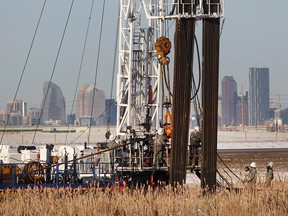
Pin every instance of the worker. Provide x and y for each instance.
(113, 142)
(269, 174)
(158, 146)
(252, 176)
(195, 144)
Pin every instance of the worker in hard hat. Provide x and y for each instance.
(195, 147)
(269, 174)
(252, 176)
(158, 146)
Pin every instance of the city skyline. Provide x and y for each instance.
(233, 107)
(245, 42)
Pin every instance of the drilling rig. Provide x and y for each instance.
(153, 115)
(150, 146)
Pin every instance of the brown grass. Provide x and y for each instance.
(183, 201)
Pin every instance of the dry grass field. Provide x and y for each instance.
(182, 201)
(188, 200)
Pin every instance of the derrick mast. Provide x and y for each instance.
(141, 74)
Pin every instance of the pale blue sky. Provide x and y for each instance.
(254, 35)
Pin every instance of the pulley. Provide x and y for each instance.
(163, 47)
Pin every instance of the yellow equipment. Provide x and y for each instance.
(163, 46)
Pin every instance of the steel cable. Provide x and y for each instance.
(23, 70)
(53, 70)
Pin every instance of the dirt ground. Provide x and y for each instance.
(237, 162)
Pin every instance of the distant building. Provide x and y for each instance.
(110, 112)
(258, 99)
(34, 115)
(220, 111)
(71, 118)
(242, 110)
(17, 112)
(229, 100)
(54, 107)
(3, 117)
(90, 111)
(14, 106)
(281, 115)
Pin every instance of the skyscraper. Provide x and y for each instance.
(84, 106)
(229, 100)
(242, 109)
(258, 100)
(54, 107)
(18, 112)
(111, 110)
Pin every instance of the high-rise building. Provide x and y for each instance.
(17, 106)
(242, 109)
(258, 100)
(111, 110)
(229, 100)
(34, 115)
(87, 111)
(54, 107)
(17, 110)
(71, 119)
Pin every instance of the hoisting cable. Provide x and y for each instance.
(81, 63)
(112, 79)
(195, 96)
(96, 69)
(226, 181)
(53, 70)
(199, 66)
(23, 70)
(228, 167)
(91, 123)
(95, 120)
(222, 26)
(199, 72)
(167, 82)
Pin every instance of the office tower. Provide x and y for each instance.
(54, 106)
(34, 115)
(18, 112)
(17, 106)
(71, 119)
(84, 106)
(242, 109)
(258, 106)
(229, 100)
(111, 111)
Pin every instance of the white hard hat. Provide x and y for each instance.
(112, 137)
(270, 164)
(197, 128)
(160, 131)
(253, 164)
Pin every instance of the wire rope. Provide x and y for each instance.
(96, 69)
(81, 63)
(113, 75)
(228, 167)
(53, 70)
(23, 71)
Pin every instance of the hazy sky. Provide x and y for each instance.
(254, 35)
